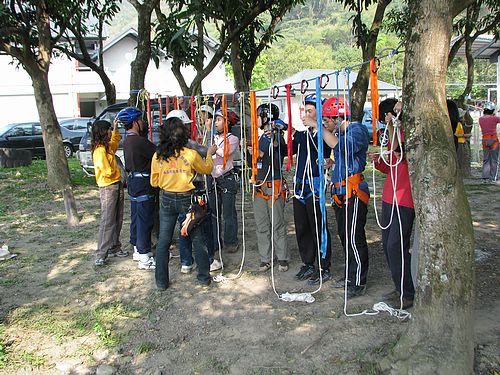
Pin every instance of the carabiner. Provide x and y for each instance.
(275, 91)
(304, 85)
(321, 85)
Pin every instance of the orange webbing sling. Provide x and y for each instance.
(226, 141)
(255, 133)
(353, 189)
(374, 97)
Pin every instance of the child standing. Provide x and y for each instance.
(107, 174)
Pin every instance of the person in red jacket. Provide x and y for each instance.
(488, 123)
(398, 212)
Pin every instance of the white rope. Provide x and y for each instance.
(394, 206)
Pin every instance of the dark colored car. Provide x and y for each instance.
(75, 124)
(382, 138)
(28, 136)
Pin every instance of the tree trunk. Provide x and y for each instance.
(240, 82)
(360, 86)
(109, 88)
(58, 175)
(139, 66)
(440, 337)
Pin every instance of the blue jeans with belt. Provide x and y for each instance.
(171, 206)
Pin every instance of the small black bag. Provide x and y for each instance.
(197, 213)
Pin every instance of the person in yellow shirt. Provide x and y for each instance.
(173, 168)
(107, 174)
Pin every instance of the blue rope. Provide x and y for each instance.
(322, 197)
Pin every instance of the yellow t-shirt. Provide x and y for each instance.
(106, 170)
(176, 174)
(459, 133)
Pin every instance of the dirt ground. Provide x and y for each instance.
(60, 315)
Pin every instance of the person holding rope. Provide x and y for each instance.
(223, 184)
(138, 151)
(488, 123)
(349, 192)
(104, 144)
(172, 169)
(398, 212)
(185, 244)
(306, 209)
(270, 189)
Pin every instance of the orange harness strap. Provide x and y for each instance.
(226, 141)
(280, 189)
(487, 144)
(353, 189)
(254, 133)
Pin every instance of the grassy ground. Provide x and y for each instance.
(60, 315)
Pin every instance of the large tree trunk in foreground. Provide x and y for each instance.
(440, 337)
(58, 175)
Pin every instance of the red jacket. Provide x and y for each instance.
(402, 181)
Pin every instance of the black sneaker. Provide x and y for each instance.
(264, 266)
(356, 291)
(305, 272)
(325, 275)
(340, 283)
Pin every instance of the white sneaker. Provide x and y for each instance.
(216, 265)
(150, 264)
(188, 269)
(137, 256)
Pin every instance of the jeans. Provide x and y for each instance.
(142, 214)
(171, 206)
(222, 200)
(185, 243)
(112, 197)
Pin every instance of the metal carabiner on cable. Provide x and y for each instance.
(321, 84)
(304, 85)
(275, 91)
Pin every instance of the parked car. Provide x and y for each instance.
(77, 123)
(28, 136)
(382, 138)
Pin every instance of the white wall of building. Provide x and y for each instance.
(70, 85)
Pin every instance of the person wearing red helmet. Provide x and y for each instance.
(223, 185)
(349, 191)
(334, 110)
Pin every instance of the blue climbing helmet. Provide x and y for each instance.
(311, 99)
(128, 115)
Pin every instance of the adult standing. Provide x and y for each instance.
(104, 144)
(306, 210)
(223, 185)
(172, 170)
(350, 194)
(398, 212)
(138, 152)
(488, 123)
(269, 190)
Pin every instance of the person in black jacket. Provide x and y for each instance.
(139, 151)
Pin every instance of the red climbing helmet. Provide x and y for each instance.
(335, 107)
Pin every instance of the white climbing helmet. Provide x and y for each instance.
(179, 113)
